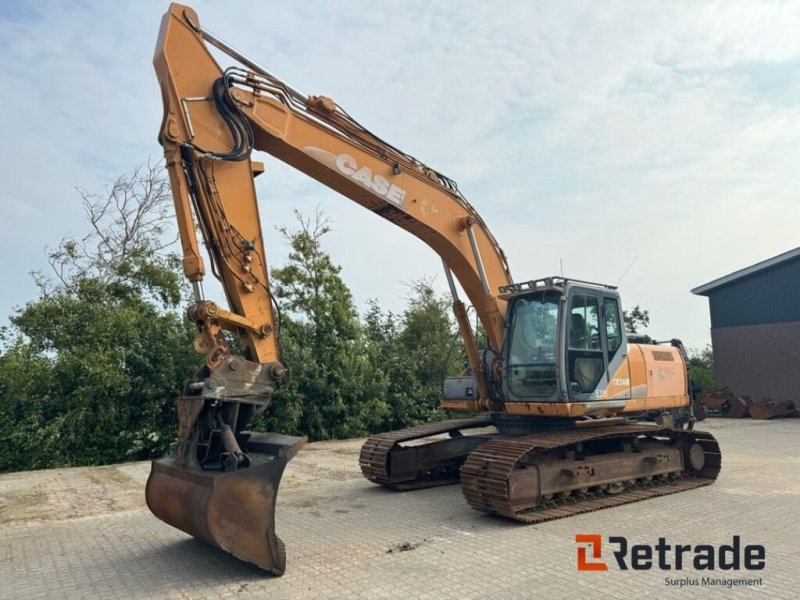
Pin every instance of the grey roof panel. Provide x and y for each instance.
(736, 275)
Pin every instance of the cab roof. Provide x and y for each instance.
(554, 283)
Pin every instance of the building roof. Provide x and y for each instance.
(704, 289)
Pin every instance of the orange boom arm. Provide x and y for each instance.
(317, 137)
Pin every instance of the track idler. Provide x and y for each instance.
(233, 510)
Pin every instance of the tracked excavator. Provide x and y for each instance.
(573, 416)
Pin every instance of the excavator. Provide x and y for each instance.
(564, 413)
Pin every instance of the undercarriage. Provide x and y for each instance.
(546, 472)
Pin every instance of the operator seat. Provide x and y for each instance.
(577, 331)
(585, 370)
(586, 373)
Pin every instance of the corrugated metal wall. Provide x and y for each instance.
(771, 296)
(760, 361)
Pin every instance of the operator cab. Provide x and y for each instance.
(564, 340)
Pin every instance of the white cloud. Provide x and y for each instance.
(588, 132)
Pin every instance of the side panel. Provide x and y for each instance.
(638, 371)
(666, 374)
(604, 407)
(619, 387)
(657, 380)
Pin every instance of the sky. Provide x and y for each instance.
(651, 144)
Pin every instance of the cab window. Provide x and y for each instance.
(584, 321)
(585, 354)
(532, 346)
(613, 325)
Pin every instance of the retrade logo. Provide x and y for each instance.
(665, 556)
(590, 552)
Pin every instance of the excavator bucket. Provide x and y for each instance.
(232, 510)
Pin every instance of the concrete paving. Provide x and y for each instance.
(85, 533)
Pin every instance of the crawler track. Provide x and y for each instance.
(374, 458)
(486, 472)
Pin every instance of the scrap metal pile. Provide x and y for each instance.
(724, 403)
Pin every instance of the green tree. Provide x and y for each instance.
(416, 351)
(635, 319)
(93, 374)
(334, 391)
(701, 368)
(124, 248)
(386, 353)
(91, 368)
(429, 338)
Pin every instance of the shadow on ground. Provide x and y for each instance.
(171, 564)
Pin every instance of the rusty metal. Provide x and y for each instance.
(232, 510)
(724, 402)
(716, 399)
(737, 407)
(767, 409)
(498, 476)
(385, 461)
(763, 410)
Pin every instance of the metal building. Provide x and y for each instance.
(755, 328)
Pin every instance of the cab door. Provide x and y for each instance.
(618, 384)
(585, 344)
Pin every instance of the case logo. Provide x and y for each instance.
(363, 175)
(377, 183)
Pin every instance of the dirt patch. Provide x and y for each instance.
(20, 505)
(69, 493)
(405, 546)
(109, 475)
(300, 502)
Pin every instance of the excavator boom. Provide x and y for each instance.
(320, 139)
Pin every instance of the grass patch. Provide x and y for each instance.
(20, 505)
(105, 475)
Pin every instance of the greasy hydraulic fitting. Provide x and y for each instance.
(233, 457)
(200, 312)
(322, 104)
